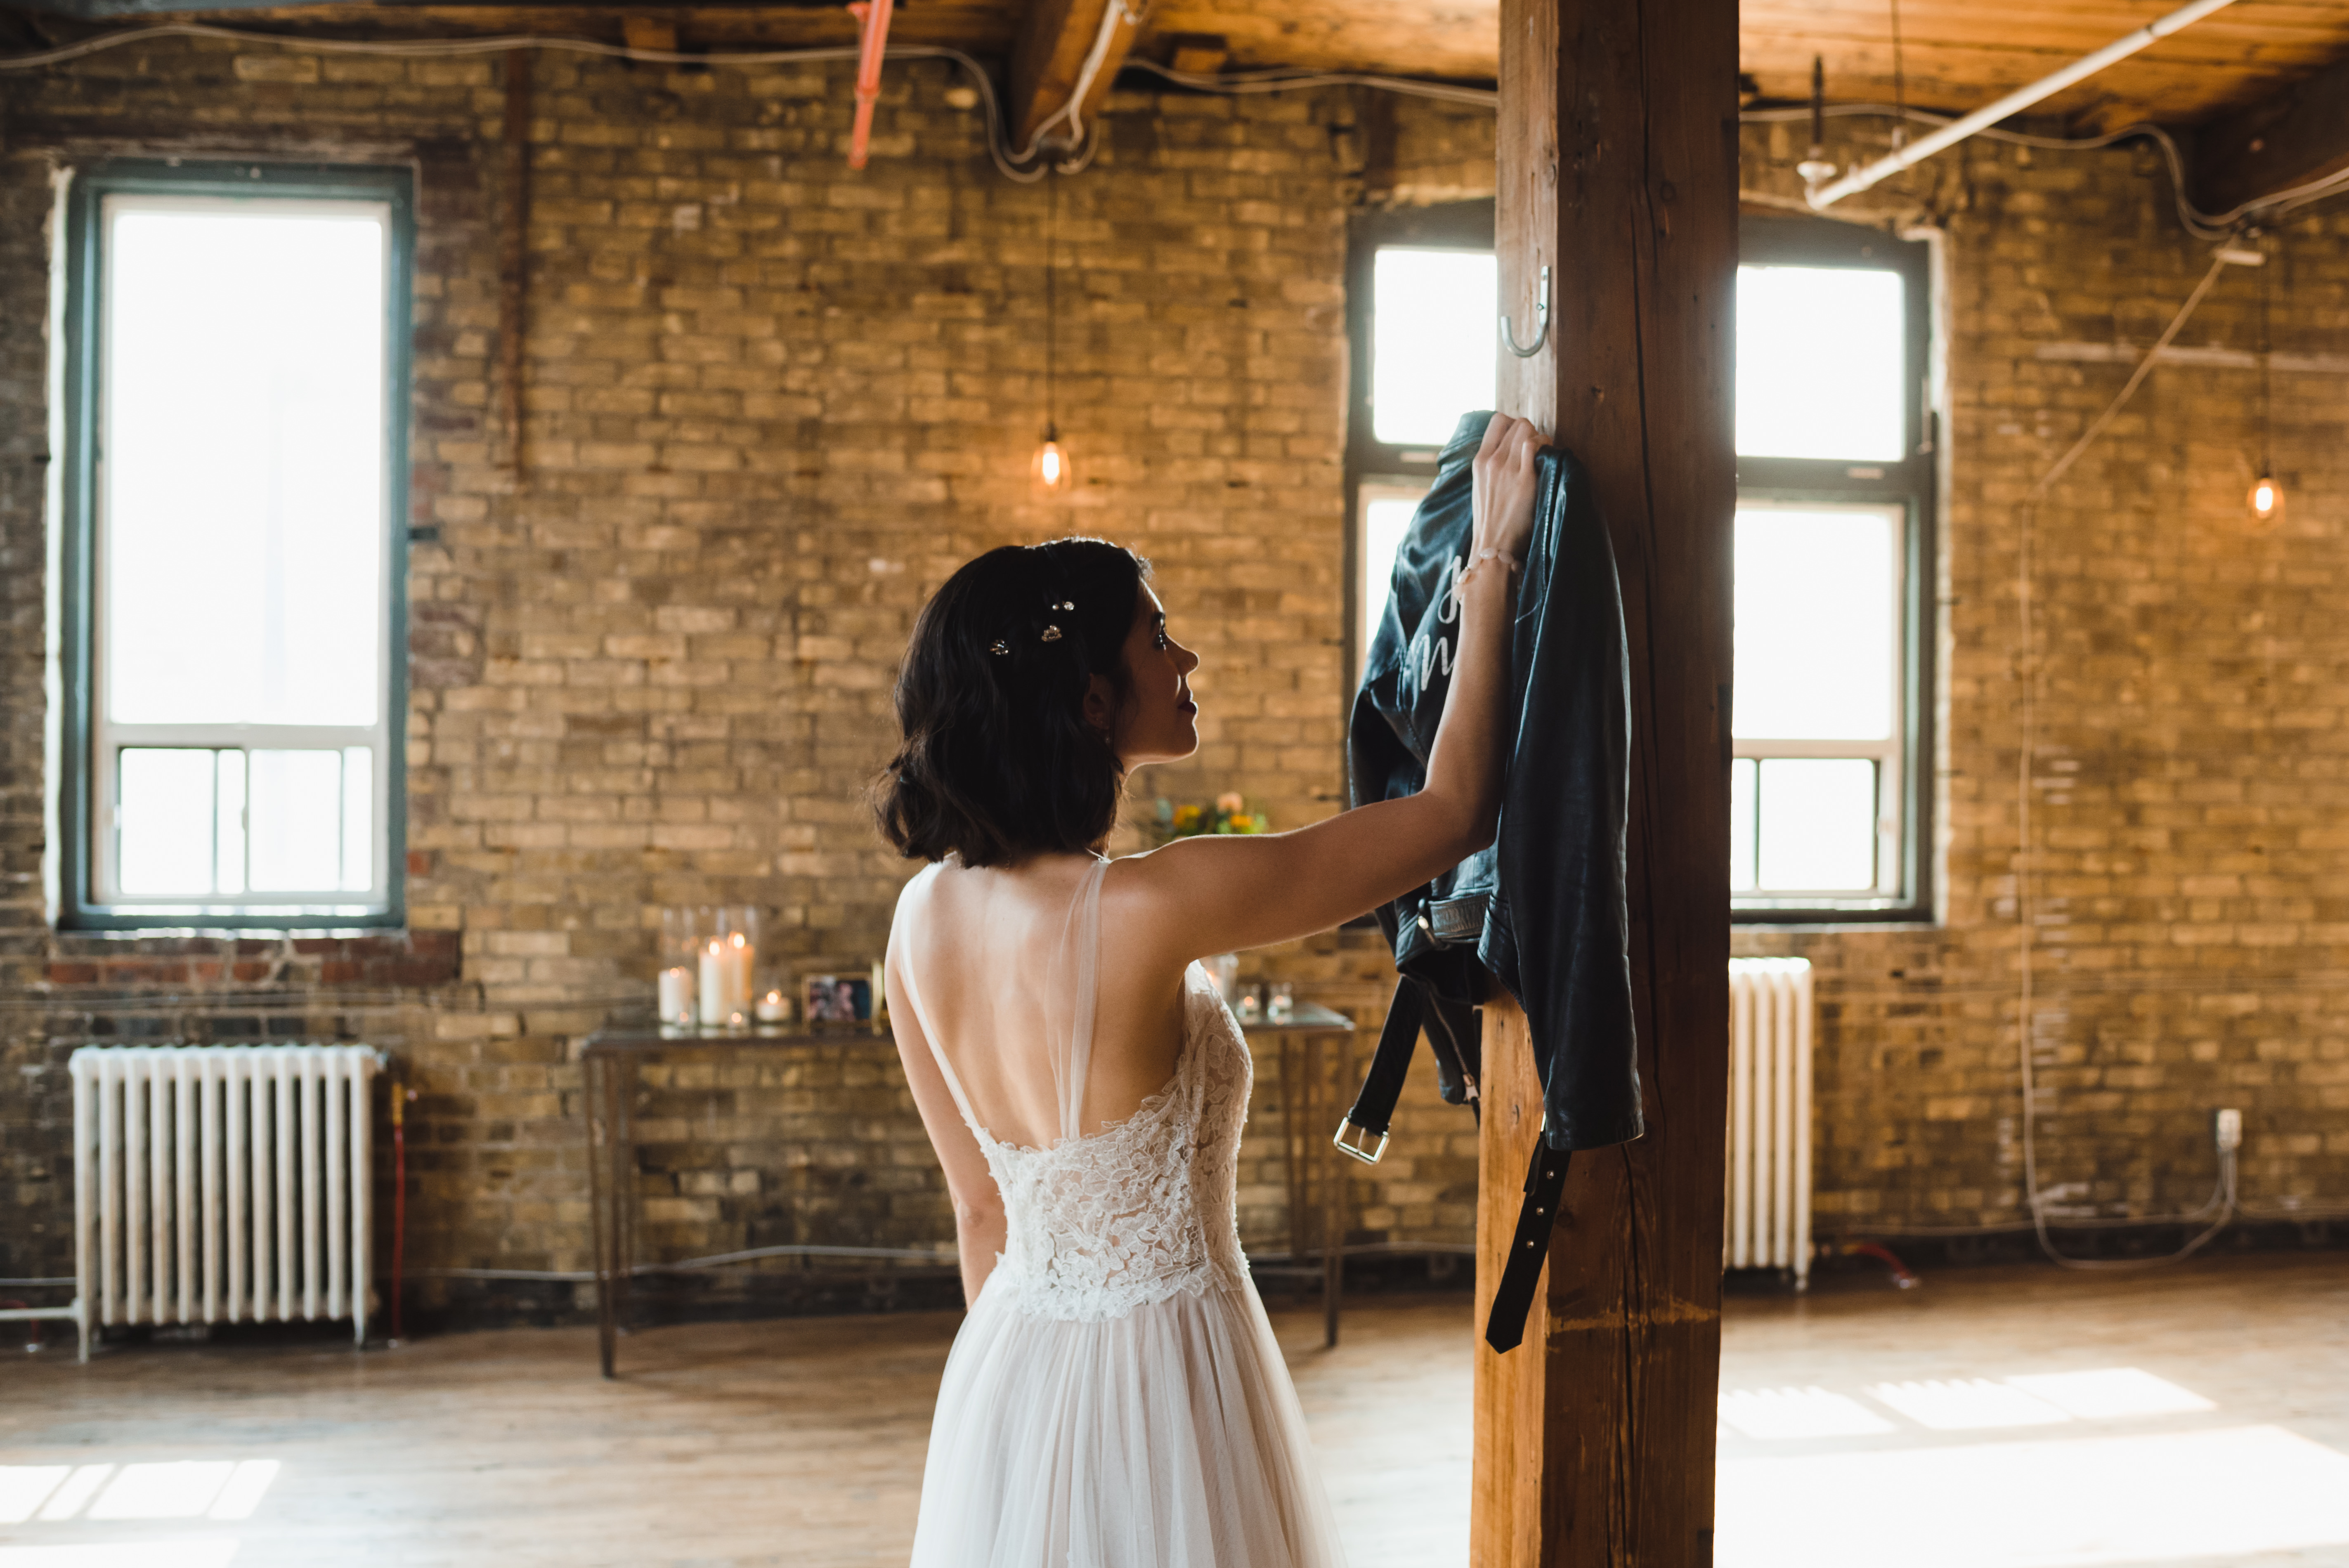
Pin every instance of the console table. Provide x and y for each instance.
(610, 1056)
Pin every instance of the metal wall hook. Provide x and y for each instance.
(1541, 315)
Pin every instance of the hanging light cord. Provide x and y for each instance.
(2267, 389)
(1899, 86)
(1051, 313)
(2222, 1206)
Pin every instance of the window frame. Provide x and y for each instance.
(82, 774)
(1372, 464)
(1910, 484)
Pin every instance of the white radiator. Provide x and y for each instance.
(223, 1183)
(1768, 1225)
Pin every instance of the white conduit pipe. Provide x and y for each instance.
(2015, 102)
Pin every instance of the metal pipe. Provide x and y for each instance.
(2015, 102)
(875, 15)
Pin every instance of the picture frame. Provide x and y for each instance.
(835, 999)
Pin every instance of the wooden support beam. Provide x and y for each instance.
(2294, 135)
(1048, 59)
(1618, 163)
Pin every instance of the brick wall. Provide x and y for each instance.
(770, 405)
(2189, 780)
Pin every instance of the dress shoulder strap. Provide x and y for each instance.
(1080, 955)
(911, 902)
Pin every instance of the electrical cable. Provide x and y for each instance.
(2222, 1200)
(2200, 224)
(1241, 83)
(1114, 13)
(1016, 167)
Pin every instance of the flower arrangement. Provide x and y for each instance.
(1228, 814)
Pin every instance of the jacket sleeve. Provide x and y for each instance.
(1558, 934)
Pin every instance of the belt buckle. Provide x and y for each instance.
(1355, 1142)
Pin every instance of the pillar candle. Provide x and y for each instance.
(740, 955)
(717, 983)
(675, 995)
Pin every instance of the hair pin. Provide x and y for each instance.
(1051, 635)
(1067, 604)
(998, 647)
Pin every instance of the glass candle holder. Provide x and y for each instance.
(770, 996)
(675, 983)
(726, 957)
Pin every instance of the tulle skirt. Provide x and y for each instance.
(1169, 1438)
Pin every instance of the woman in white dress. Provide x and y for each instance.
(1116, 1397)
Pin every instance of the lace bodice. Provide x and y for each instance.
(1137, 1211)
(1141, 1210)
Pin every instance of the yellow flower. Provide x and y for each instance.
(1186, 816)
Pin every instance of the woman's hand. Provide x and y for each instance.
(1503, 508)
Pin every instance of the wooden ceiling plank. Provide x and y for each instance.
(2286, 138)
(1048, 58)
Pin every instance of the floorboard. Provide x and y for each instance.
(1991, 1418)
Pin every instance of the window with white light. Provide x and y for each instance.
(238, 369)
(1423, 298)
(1829, 726)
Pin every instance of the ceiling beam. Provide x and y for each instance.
(1048, 59)
(2296, 134)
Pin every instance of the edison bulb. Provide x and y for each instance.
(1051, 466)
(2266, 499)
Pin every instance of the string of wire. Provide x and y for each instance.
(1035, 161)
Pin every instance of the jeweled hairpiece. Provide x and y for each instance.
(1051, 635)
(1000, 647)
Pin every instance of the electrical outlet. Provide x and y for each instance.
(2227, 1129)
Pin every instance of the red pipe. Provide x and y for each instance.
(875, 14)
(1901, 1276)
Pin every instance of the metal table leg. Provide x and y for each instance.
(1293, 1123)
(1333, 1192)
(596, 1077)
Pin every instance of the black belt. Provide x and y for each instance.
(1363, 1135)
(1545, 1180)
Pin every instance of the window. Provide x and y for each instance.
(1827, 788)
(1423, 301)
(236, 398)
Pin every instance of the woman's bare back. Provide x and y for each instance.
(992, 956)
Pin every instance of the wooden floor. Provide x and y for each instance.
(2011, 1417)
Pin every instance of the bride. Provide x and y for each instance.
(1116, 1397)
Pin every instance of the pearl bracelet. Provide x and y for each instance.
(1482, 556)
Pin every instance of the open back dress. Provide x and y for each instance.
(1116, 1397)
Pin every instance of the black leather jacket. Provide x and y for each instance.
(1542, 910)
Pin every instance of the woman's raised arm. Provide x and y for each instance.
(1209, 893)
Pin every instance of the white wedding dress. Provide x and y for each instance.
(1115, 1399)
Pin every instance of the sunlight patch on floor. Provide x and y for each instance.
(2043, 1503)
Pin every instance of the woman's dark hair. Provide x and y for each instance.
(997, 761)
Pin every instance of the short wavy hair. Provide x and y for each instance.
(997, 762)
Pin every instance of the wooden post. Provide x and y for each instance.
(1617, 170)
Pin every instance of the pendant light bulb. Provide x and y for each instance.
(1051, 466)
(2266, 499)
